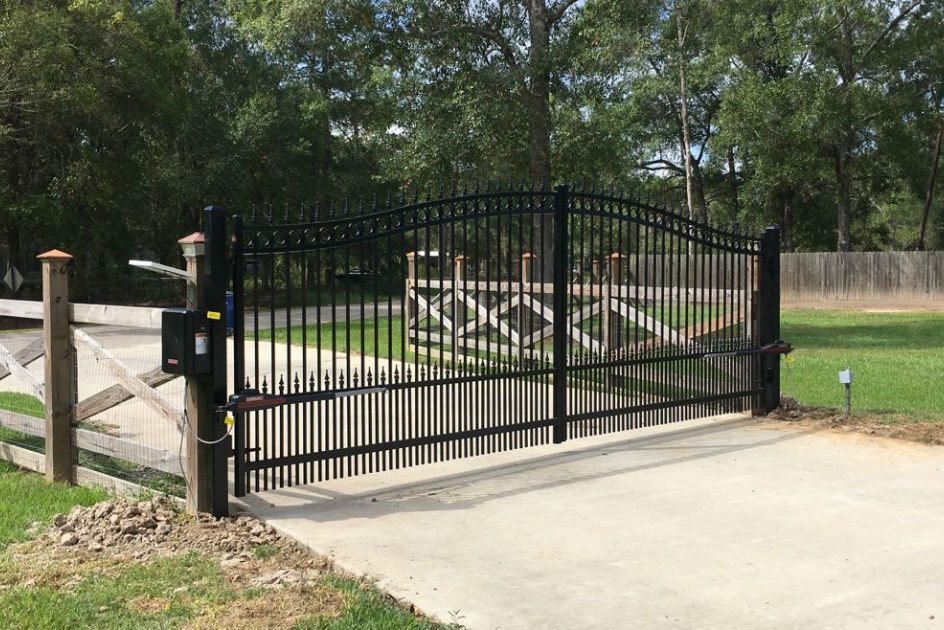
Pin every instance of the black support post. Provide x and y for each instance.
(769, 316)
(239, 374)
(561, 203)
(217, 276)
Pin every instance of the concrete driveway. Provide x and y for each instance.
(727, 523)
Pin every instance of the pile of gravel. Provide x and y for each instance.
(150, 528)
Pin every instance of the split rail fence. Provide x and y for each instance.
(103, 413)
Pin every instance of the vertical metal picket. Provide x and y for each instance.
(239, 362)
(769, 316)
(560, 254)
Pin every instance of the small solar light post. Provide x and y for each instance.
(845, 377)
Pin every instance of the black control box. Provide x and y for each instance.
(185, 342)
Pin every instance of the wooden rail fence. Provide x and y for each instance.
(60, 428)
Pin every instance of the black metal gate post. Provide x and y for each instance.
(217, 278)
(239, 359)
(559, 253)
(769, 316)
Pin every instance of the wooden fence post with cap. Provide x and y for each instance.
(59, 372)
(199, 399)
(407, 305)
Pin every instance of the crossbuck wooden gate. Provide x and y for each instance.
(427, 330)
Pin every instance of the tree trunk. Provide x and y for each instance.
(843, 199)
(929, 192)
(539, 119)
(698, 193)
(733, 185)
(694, 211)
(539, 94)
(786, 222)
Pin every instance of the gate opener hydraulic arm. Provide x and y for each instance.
(777, 347)
(253, 400)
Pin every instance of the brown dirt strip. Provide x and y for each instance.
(899, 427)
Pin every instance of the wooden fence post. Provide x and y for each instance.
(407, 306)
(527, 273)
(59, 383)
(458, 306)
(199, 400)
(611, 328)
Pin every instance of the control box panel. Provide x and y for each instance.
(185, 342)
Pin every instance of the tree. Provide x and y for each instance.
(849, 39)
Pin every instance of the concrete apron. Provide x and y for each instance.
(722, 523)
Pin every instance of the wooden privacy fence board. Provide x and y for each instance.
(862, 276)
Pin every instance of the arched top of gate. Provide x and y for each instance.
(634, 210)
(422, 214)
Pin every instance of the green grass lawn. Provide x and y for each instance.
(897, 359)
(26, 497)
(186, 590)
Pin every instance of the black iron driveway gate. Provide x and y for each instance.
(372, 339)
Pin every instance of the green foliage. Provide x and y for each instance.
(120, 120)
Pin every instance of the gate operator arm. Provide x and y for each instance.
(252, 400)
(777, 347)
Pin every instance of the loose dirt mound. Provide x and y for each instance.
(899, 427)
(111, 533)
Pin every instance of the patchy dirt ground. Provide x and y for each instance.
(885, 425)
(281, 582)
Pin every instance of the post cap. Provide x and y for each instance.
(196, 237)
(528, 255)
(410, 254)
(616, 255)
(55, 254)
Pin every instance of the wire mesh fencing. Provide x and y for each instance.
(21, 383)
(128, 413)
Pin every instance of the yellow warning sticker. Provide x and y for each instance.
(213, 314)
